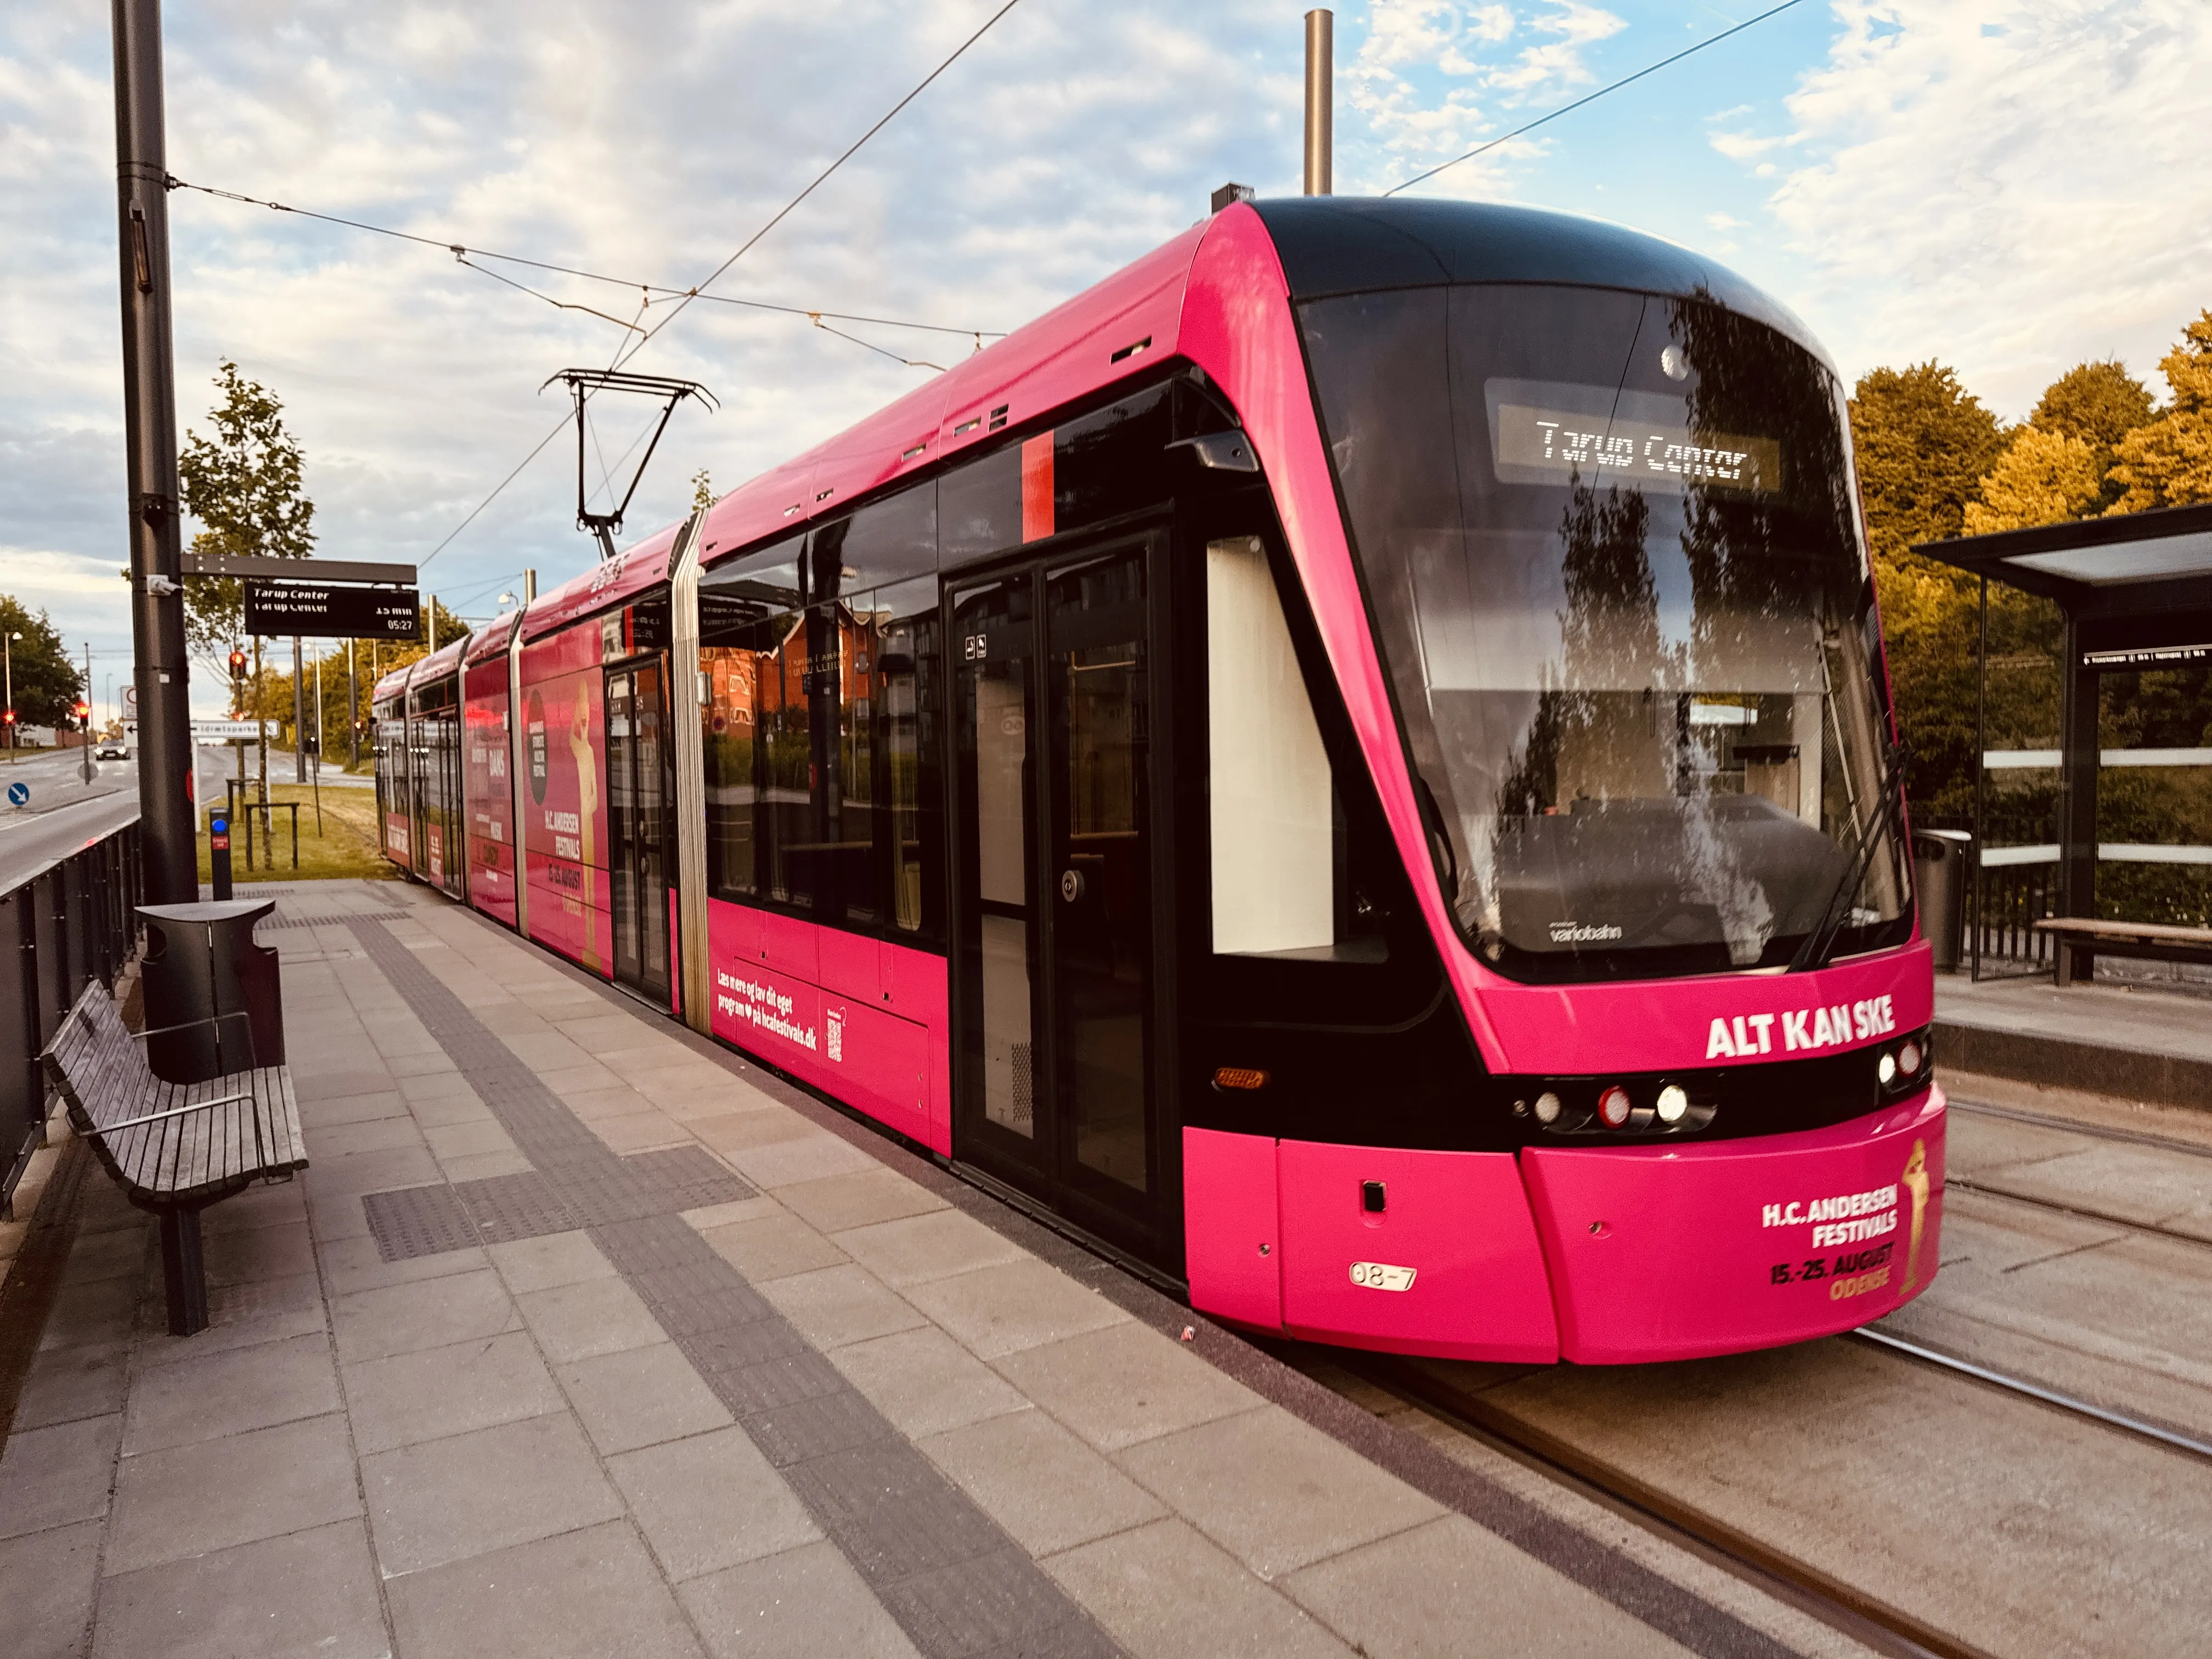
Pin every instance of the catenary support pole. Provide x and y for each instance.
(149, 411)
(299, 714)
(1321, 103)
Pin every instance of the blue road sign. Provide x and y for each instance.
(19, 794)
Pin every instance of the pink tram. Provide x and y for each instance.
(1351, 764)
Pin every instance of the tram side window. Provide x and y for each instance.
(1281, 884)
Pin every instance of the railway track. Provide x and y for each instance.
(2094, 1130)
(1843, 1606)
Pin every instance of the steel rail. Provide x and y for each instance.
(2172, 1439)
(2079, 1211)
(2094, 1131)
(1842, 1605)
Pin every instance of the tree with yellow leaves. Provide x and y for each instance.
(2168, 462)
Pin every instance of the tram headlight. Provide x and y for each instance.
(1548, 1108)
(1614, 1106)
(1673, 1104)
(1886, 1068)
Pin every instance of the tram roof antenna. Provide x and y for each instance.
(582, 383)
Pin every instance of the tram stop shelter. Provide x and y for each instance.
(2134, 592)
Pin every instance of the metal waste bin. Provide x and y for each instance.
(214, 1003)
(1941, 861)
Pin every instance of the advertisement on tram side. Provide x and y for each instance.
(564, 796)
(489, 796)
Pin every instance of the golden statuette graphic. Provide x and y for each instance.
(1915, 1180)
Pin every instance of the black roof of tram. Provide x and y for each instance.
(1350, 245)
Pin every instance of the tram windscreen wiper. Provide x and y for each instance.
(1820, 942)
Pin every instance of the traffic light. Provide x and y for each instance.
(7, 717)
(238, 665)
(80, 709)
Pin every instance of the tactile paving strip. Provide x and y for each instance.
(956, 1583)
(414, 1221)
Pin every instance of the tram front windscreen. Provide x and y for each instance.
(1612, 548)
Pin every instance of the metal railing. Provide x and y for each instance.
(68, 924)
(2006, 902)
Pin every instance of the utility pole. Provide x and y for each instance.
(149, 409)
(84, 760)
(353, 712)
(1321, 103)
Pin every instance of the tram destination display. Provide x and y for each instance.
(319, 611)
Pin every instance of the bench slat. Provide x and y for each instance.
(2157, 931)
(100, 1072)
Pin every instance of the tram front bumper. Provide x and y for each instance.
(1679, 1252)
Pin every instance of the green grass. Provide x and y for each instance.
(349, 845)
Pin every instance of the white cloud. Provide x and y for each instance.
(2009, 202)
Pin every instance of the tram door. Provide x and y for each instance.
(638, 829)
(1054, 941)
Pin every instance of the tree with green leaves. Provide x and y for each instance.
(244, 485)
(703, 491)
(46, 682)
(1923, 444)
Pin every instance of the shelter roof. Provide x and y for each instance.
(2129, 564)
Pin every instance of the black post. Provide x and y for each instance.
(184, 1270)
(2077, 799)
(219, 856)
(149, 407)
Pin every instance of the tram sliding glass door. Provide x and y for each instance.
(1053, 942)
(638, 794)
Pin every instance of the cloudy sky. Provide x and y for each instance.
(2010, 185)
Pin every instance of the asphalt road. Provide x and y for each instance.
(64, 812)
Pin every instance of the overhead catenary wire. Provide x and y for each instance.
(1591, 98)
(656, 292)
(632, 348)
(698, 289)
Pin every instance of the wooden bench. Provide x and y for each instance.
(174, 1148)
(2082, 939)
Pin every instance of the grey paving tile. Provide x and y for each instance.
(638, 1132)
(105, 1310)
(67, 1384)
(435, 1085)
(52, 1476)
(453, 1140)
(483, 1166)
(591, 1593)
(238, 1316)
(1421, 1592)
(312, 1592)
(837, 1305)
(784, 1162)
(935, 1245)
(805, 1602)
(1017, 1304)
(1123, 1384)
(264, 1206)
(729, 1133)
(594, 1105)
(721, 1215)
(1277, 1493)
(389, 1132)
(418, 1396)
(640, 1397)
(244, 1256)
(311, 1084)
(470, 1494)
(1164, 1592)
(710, 1502)
(46, 1583)
(230, 1390)
(924, 1382)
(329, 1113)
(356, 1264)
(1048, 1490)
(540, 1264)
(370, 1172)
(599, 1316)
(273, 1481)
(772, 1246)
(118, 1253)
(836, 1202)
(432, 1313)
